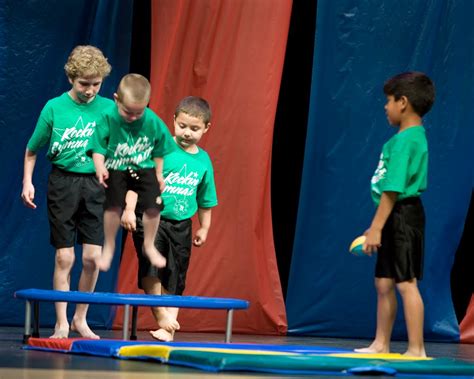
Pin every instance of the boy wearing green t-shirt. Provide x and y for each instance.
(190, 188)
(75, 197)
(127, 152)
(397, 229)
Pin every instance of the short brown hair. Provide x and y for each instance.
(134, 87)
(416, 86)
(87, 61)
(195, 107)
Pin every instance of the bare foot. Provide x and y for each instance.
(167, 322)
(162, 335)
(60, 331)
(374, 348)
(154, 256)
(418, 353)
(105, 261)
(83, 329)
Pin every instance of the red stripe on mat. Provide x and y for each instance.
(53, 343)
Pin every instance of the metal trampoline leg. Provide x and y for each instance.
(126, 320)
(133, 336)
(228, 329)
(27, 333)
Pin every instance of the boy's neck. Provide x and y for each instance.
(193, 149)
(74, 98)
(410, 122)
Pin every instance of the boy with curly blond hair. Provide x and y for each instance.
(74, 197)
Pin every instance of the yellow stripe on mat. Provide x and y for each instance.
(161, 351)
(391, 356)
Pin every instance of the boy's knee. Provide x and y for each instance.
(407, 286)
(65, 258)
(90, 263)
(151, 285)
(90, 257)
(384, 286)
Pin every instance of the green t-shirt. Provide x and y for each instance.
(403, 165)
(189, 182)
(68, 127)
(131, 145)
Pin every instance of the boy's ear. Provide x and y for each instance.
(116, 98)
(206, 128)
(70, 80)
(404, 101)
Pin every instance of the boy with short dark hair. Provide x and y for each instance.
(75, 197)
(190, 188)
(397, 229)
(127, 153)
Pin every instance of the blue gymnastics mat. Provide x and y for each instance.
(274, 359)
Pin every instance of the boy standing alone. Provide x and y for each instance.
(75, 197)
(397, 229)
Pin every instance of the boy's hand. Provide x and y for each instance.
(161, 182)
(28, 195)
(102, 175)
(129, 220)
(373, 239)
(200, 237)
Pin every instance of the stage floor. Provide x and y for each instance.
(25, 364)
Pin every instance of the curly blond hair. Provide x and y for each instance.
(87, 62)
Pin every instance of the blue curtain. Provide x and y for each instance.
(359, 44)
(36, 38)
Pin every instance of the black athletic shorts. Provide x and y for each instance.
(401, 255)
(143, 182)
(173, 241)
(75, 209)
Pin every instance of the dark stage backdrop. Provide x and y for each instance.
(358, 46)
(36, 38)
(462, 281)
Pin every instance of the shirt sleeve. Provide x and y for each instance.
(42, 133)
(396, 177)
(206, 192)
(164, 142)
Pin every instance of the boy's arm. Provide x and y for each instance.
(204, 215)
(374, 233)
(101, 171)
(28, 191)
(129, 219)
(159, 172)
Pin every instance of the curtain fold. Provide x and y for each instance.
(231, 53)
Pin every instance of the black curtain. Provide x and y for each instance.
(290, 132)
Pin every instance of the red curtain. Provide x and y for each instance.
(231, 53)
(466, 327)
